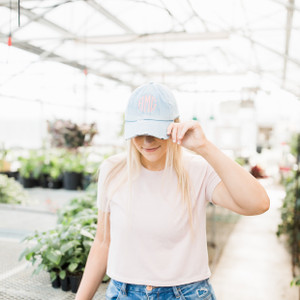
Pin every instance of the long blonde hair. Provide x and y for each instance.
(125, 169)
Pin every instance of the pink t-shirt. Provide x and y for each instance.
(157, 247)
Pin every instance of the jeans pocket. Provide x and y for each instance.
(113, 291)
(197, 290)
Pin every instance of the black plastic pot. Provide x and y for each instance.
(11, 174)
(44, 180)
(56, 283)
(55, 183)
(65, 284)
(72, 180)
(86, 180)
(75, 281)
(29, 182)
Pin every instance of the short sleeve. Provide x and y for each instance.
(211, 179)
(101, 191)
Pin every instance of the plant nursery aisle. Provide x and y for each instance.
(255, 264)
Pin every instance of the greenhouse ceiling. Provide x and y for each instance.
(184, 43)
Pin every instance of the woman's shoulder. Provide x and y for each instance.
(193, 161)
(112, 161)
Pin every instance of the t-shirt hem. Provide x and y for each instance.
(159, 284)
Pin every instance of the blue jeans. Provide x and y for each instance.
(197, 290)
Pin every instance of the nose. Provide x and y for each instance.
(148, 139)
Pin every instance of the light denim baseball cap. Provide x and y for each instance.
(150, 110)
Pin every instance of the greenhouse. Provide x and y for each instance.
(208, 90)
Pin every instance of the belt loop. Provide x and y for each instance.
(123, 288)
(176, 292)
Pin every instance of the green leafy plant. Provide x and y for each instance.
(11, 191)
(63, 250)
(77, 206)
(31, 166)
(73, 162)
(46, 252)
(290, 213)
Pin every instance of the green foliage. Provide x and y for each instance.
(52, 165)
(77, 206)
(241, 160)
(295, 281)
(287, 209)
(293, 144)
(73, 162)
(290, 211)
(65, 249)
(11, 191)
(31, 166)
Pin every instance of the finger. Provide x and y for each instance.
(169, 129)
(181, 133)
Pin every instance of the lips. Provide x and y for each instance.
(151, 149)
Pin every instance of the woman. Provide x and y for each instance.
(151, 236)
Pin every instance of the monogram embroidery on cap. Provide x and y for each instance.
(147, 104)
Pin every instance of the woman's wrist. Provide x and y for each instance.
(205, 148)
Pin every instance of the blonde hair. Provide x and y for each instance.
(126, 168)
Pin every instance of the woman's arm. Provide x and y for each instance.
(238, 191)
(95, 268)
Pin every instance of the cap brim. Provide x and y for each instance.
(154, 128)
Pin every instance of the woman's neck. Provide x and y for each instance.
(154, 166)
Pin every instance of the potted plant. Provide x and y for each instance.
(55, 173)
(11, 191)
(82, 229)
(47, 253)
(90, 173)
(73, 167)
(45, 170)
(63, 251)
(30, 169)
(77, 206)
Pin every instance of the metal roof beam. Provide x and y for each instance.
(188, 73)
(39, 19)
(142, 38)
(155, 37)
(39, 51)
(108, 15)
(123, 61)
(287, 5)
(32, 18)
(293, 60)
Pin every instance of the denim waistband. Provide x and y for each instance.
(128, 287)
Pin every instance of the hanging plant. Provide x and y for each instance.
(66, 134)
